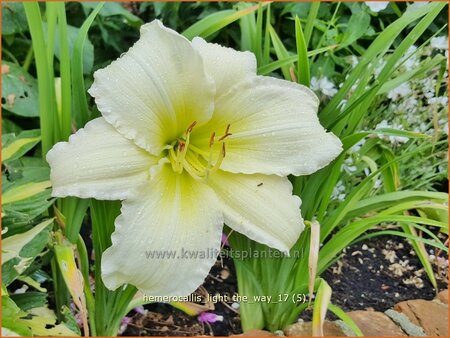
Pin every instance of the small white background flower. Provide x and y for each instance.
(393, 139)
(323, 85)
(377, 6)
(190, 138)
(403, 90)
(439, 42)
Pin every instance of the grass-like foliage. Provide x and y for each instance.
(365, 209)
(381, 79)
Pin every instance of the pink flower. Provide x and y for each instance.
(124, 324)
(224, 240)
(140, 310)
(209, 317)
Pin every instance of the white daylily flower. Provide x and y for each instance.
(190, 137)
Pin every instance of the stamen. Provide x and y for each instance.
(220, 159)
(198, 150)
(211, 139)
(217, 165)
(189, 129)
(227, 133)
(187, 166)
(181, 146)
(173, 158)
(197, 162)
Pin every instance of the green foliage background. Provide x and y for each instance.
(381, 178)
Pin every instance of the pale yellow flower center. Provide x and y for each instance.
(183, 155)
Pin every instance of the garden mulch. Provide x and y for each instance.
(373, 275)
(165, 320)
(379, 273)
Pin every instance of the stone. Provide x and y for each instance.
(404, 322)
(256, 333)
(304, 329)
(345, 328)
(443, 296)
(431, 316)
(373, 323)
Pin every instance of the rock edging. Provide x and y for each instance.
(416, 318)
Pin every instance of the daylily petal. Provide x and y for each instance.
(173, 214)
(226, 65)
(98, 162)
(261, 207)
(155, 90)
(274, 127)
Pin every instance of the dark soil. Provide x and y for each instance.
(165, 320)
(376, 273)
(365, 278)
